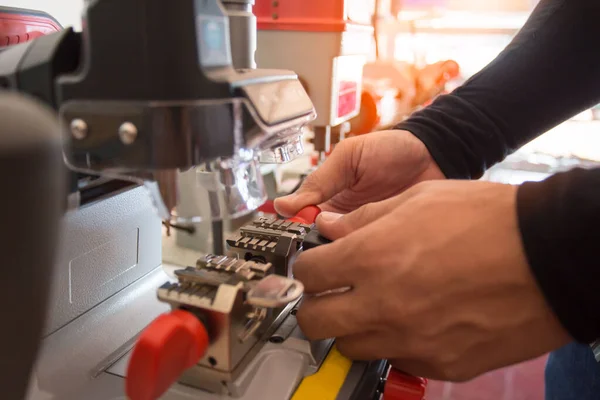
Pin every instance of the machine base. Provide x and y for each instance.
(87, 359)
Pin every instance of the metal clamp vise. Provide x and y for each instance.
(224, 308)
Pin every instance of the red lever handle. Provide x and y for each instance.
(308, 215)
(171, 344)
(400, 386)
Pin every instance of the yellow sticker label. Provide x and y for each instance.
(327, 382)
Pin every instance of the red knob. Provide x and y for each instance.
(400, 386)
(171, 344)
(307, 215)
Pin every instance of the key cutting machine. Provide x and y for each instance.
(232, 329)
(326, 43)
(150, 103)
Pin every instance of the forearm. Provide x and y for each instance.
(559, 220)
(547, 74)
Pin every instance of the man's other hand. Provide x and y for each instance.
(363, 170)
(439, 283)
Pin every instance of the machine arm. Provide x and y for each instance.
(149, 91)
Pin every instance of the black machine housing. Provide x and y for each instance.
(165, 67)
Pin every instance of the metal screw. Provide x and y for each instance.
(276, 339)
(128, 133)
(79, 129)
(275, 3)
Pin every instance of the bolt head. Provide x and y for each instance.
(79, 129)
(128, 133)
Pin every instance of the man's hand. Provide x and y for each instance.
(363, 170)
(439, 283)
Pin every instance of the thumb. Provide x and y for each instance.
(334, 226)
(336, 174)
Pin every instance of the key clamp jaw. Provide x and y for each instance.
(234, 298)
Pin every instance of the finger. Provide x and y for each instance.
(334, 226)
(326, 267)
(418, 368)
(364, 346)
(374, 346)
(336, 174)
(338, 264)
(332, 315)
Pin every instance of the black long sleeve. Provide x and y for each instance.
(549, 72)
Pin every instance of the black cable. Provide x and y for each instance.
(217, 234)
(189, 229)
(298, 184)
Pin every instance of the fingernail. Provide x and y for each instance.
(284, 199)
(330, 217)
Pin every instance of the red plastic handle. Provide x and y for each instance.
(307, 215)
(400, 386)
(171, 344)
(268, 207)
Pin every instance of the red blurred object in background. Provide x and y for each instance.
(312, 15)
(392, 90)
(19, 25)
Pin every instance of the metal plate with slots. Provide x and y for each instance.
(262, 290)
(263, 234)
